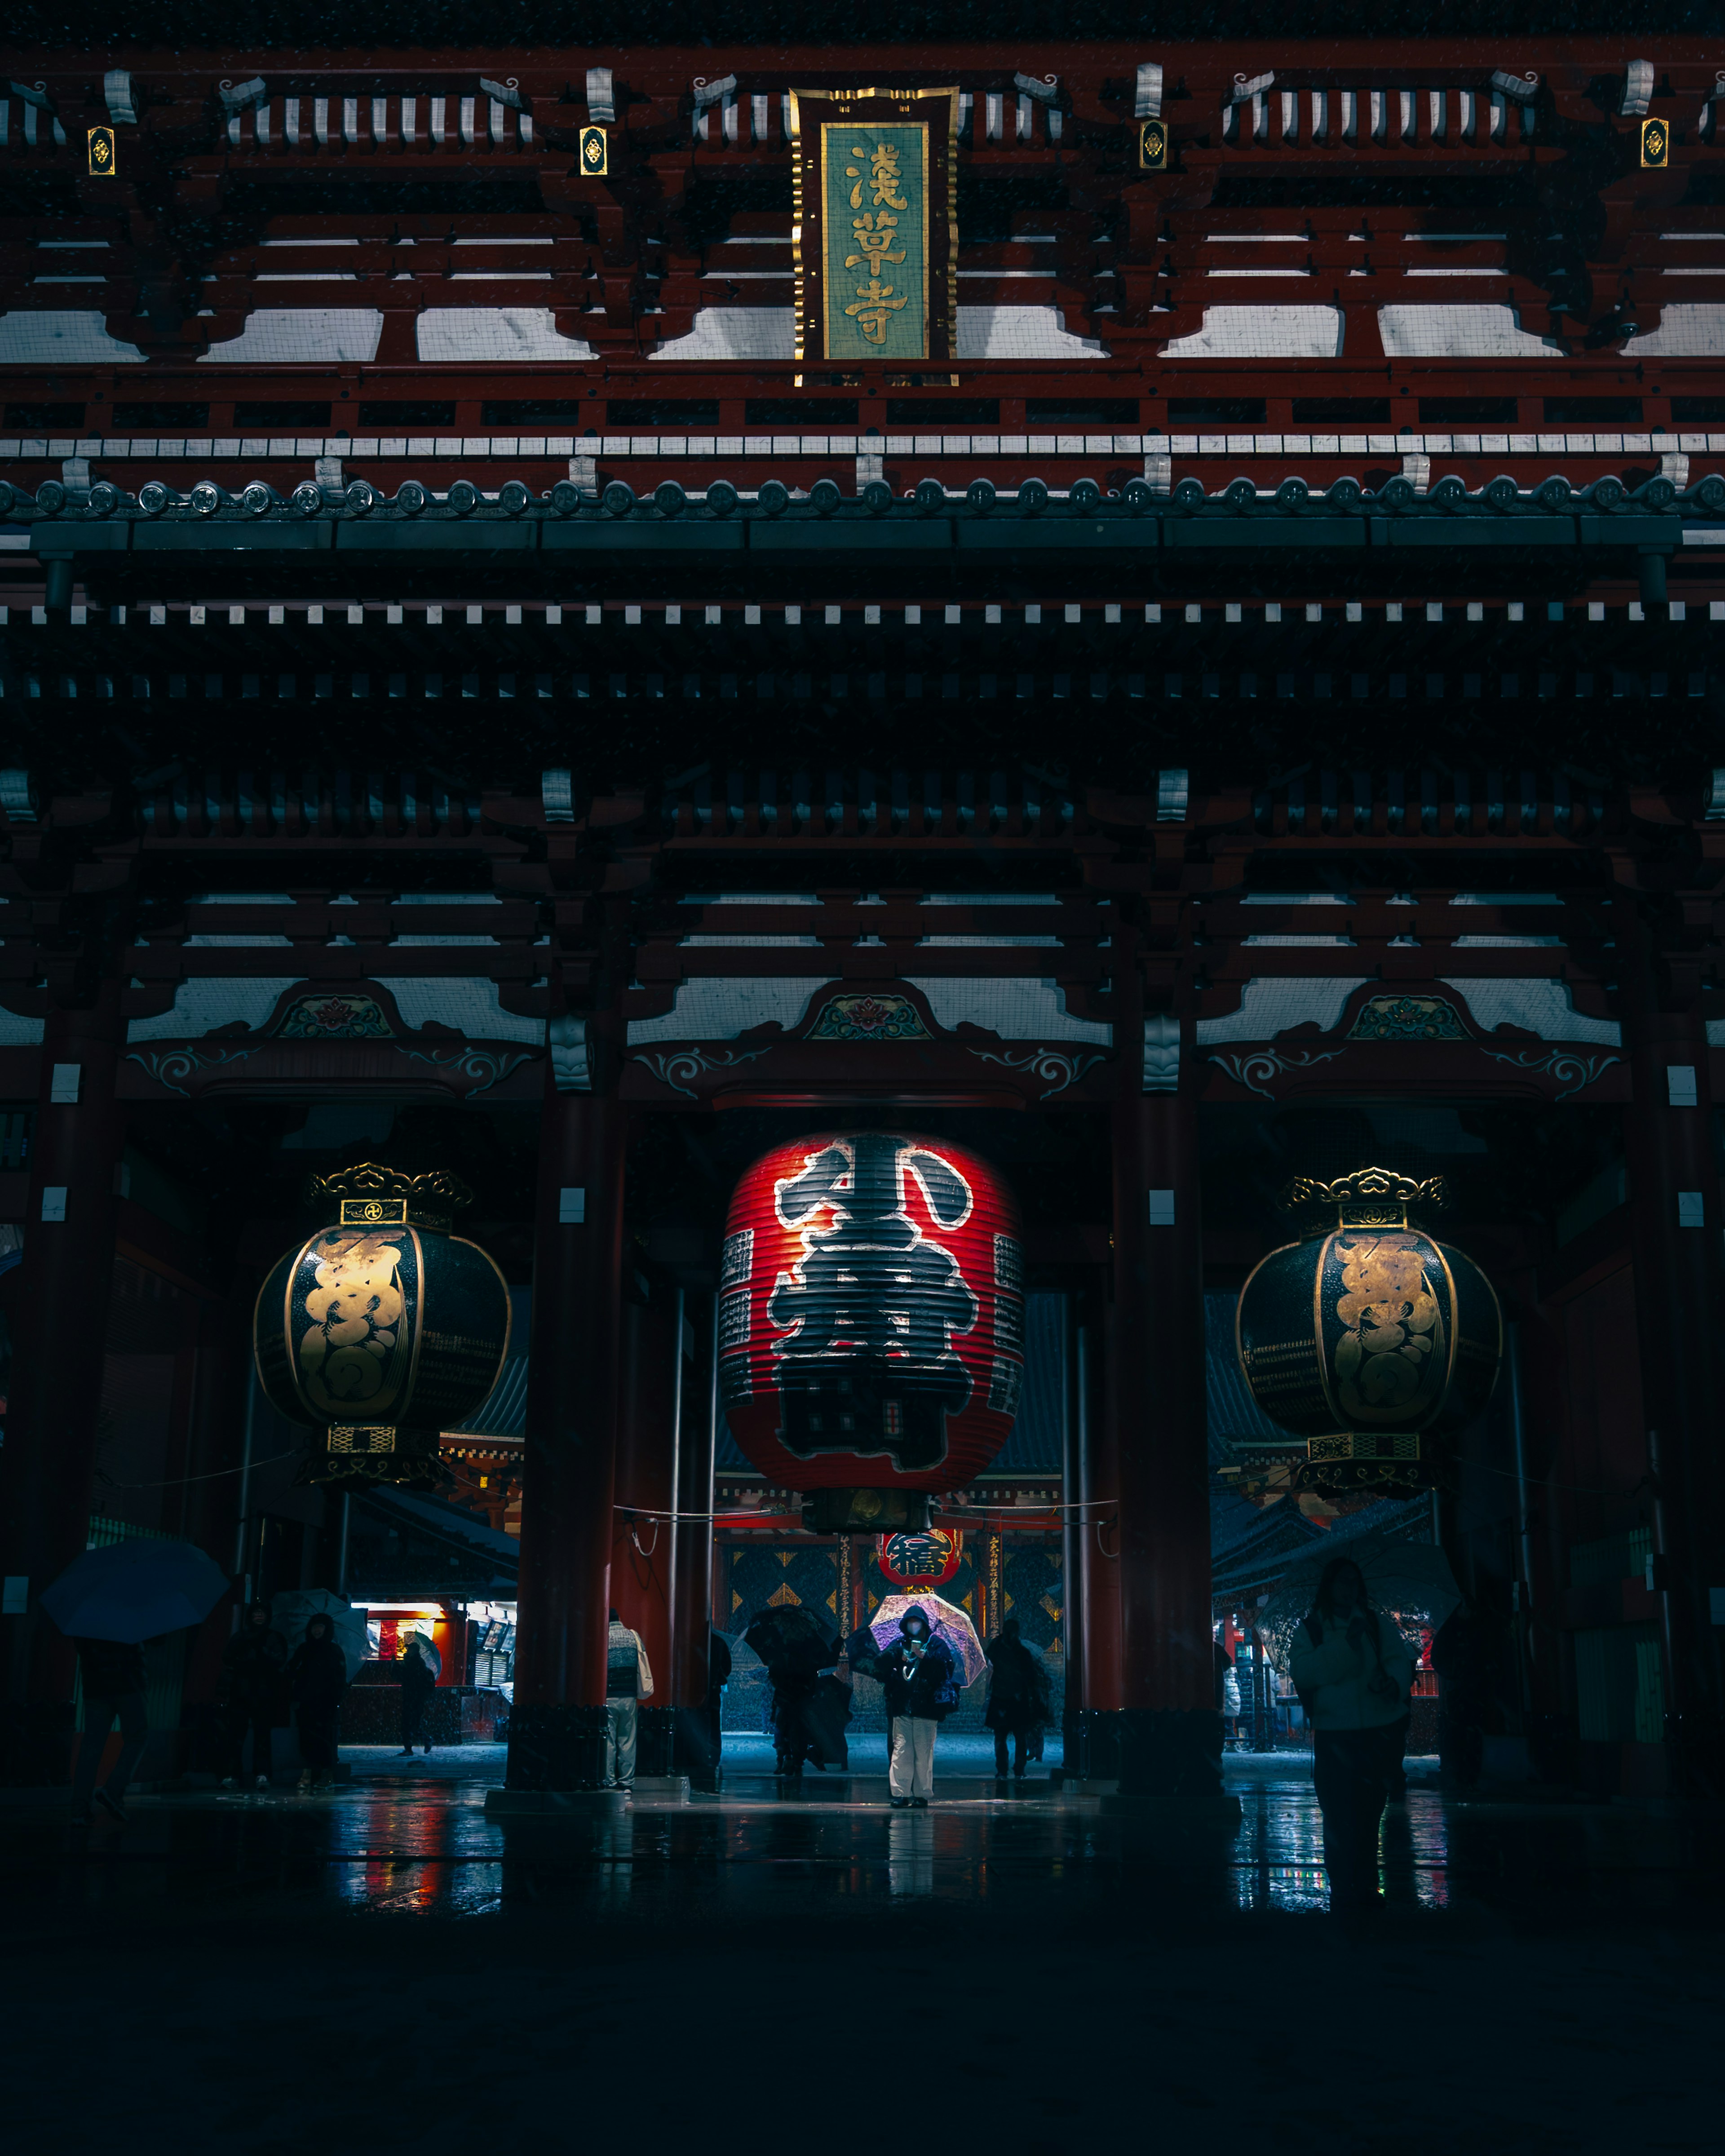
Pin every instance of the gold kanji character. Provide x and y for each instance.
(875, 236)
(873, 307)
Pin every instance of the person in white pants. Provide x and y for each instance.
(911, 1776)
(919, 1674)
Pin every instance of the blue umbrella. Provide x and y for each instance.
(134, 1590)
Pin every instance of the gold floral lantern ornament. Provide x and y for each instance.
(382, 1329)
(1366, 1338)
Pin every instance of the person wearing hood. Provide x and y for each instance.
(419, 1680)
(1019, 1699)
(317, 1679)
(919, 1674)
(1353, 1671)
(252, 1665)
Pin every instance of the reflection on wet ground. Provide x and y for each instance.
(390, 1967)
(764, 1849)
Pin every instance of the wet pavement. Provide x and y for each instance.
(390, 1966)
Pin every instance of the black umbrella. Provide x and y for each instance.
(790, 1641)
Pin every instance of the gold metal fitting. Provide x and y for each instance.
(372, 1196)
(1367, 1198)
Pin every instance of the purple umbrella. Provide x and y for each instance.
(947, 1621)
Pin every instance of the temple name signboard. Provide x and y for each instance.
(875, 236)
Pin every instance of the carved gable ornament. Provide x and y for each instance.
(874, 1017)
(346, 1015)
(1408, 1018)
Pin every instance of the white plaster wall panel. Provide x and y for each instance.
(1689, 330)
(1546, 1008)
(720, 1010)
(199, 1007)
(56, 338)
(454, 335)
(1269, 1007)
(1015, 1010)
(1487, 333)
(1262, 333)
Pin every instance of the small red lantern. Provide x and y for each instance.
(871, 1322)
(927, 1559)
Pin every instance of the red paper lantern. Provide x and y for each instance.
(913, 1560)
(871, 1321)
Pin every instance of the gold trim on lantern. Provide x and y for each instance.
(370, 1195)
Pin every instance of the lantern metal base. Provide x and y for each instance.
(865, 1512)
(1352, 1460)
(373, 1453)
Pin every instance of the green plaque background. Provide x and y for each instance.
(903, 331)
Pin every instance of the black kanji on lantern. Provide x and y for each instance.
(870, 1365)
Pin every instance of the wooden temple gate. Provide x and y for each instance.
(1160, 738)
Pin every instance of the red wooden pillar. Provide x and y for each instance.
(47, 1463)
(1099, 1575)
(1171, 1730)
(692, 1598)
(557, 1729)
(1674, 1237)
(643, 1549)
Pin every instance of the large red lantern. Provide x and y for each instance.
(871, 1322)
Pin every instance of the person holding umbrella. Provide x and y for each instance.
(919, 1674)
(108, 1602)
(112, 1674)
(317, 1676)
(810, 1711)
(1019, 1699)
(1353, 1671)
(419, 1680)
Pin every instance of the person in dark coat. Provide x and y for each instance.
(417, 1683)
(809, 1710)
(807, 1723)
(1463, 1654)
(253, 1664)
(706, 1746)
(113, 1677)
(1019, 1699)
(919, 1675)
(317, 1679)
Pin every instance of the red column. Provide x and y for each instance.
(692, 1600)
(557, 1729)
(1170, 1728)
(1674, 1237)
(47, 1463)
(1099, 1575)
(642, 1549)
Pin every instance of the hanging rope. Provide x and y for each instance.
(215, 1475)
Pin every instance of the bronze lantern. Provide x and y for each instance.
(382, 1328)
(1366, 1338)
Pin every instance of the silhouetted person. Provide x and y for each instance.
(253, 1664)
(718, 1676)
(1462, 1653)
(1019, 1699)
(1352, 1670)
(419, 1680)
(112, 1674)
(317, 1679)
